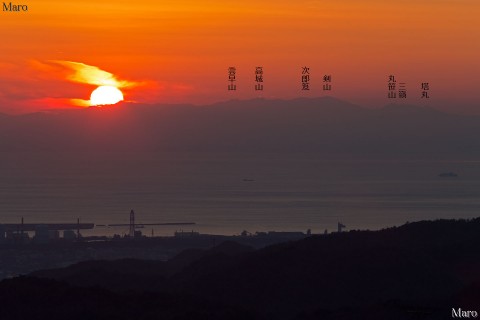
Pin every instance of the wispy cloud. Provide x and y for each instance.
(83, 73)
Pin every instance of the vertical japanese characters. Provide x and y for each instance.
(232, 71)
(259, 79)
(305, 78)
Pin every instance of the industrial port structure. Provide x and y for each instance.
(43, 232)
(19, 233)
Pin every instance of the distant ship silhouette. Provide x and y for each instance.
(448, 175)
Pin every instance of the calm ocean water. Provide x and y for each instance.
(289, 192)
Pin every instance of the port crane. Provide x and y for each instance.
(132, 225)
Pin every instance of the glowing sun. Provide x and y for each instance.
(104, 95)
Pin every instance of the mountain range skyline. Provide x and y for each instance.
(262, 101)
(319, 125)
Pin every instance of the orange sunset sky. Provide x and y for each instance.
(57, 53)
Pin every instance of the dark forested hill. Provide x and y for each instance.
(419, 270)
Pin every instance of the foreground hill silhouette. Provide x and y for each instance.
(417, 271)
(321, 125)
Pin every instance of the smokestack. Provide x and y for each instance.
(132, 224)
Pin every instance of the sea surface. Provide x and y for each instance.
(229, 193)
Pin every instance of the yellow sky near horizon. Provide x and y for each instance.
(182, 49)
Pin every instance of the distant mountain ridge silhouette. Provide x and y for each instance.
(320, 125)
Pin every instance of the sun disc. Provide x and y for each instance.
(105, 95)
